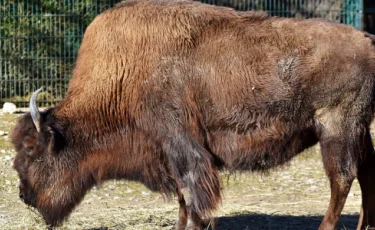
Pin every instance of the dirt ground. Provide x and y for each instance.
(292, 197)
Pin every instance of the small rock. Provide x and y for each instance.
(2, 133)
(116, 198)
(2, 151)
(310, 181)
(145, 193)
(88, 201)
(8, 158)
(111, 187)
(9, 107)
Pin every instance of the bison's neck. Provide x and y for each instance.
(105, 150)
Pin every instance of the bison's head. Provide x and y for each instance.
(46, 176)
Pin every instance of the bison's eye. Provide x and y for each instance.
(29, 149)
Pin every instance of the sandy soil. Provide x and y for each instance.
(292, 197)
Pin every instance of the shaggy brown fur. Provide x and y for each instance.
(169, 92)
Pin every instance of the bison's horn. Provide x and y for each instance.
(34, 111)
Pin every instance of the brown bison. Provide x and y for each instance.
(169, 92)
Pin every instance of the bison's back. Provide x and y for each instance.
(125, 44)
(238, 71)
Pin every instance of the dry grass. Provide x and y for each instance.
(292, 197)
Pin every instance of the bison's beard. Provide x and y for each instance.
(56, 207)
(55, 215)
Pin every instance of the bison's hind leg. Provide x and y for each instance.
(345, 142)
(340, 174)
(366, 178)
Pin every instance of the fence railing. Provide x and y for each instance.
(39, 40)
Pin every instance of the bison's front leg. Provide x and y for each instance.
(182, 213)
(193, 167)
(187, 218)
(366, 175)
(194, 221)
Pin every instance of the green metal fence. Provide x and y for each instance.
(39, 39)
(39, 42)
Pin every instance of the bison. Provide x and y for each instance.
(168, 93)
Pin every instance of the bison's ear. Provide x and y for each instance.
(53, 140)
(50, 140)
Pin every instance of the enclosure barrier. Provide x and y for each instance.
(39, 40)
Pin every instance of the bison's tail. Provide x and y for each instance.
(194, 168)
(371, 36)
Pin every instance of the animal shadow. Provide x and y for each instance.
(99, 228)
(255, 221)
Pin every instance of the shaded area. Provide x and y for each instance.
(99, 228)
(259, 221)
(369, 16)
